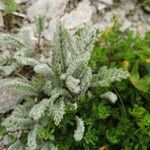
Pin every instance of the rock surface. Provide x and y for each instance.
(81, 15)
(76, 18)
(1, 146)
(101, 6)
(49, 8)
(76, 13)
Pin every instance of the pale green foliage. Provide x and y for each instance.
(23, 60)
(19, 118)
(58, 111)
(32, 145)
(43, 69)
(6, 67)
(20, 87)
(48, 87)
(7, 70)
(4, 57)
(106, 76)
(24, 46)
(110, 96)
(79, 132)
(16, 146)
(11, 40)
(62, 45)
(22, 42)
(73, 84)
(39, 21)
(86, 80)
(39, 109)
(64, 82)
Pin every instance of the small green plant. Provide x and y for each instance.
(2, 131)
(127, 125)
(54, 92)
(10, 6)
(69, 102)
(147, 2)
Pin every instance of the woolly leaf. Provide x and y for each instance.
(38, 110)
(20, 87)
(19, 119)
(77, 62)
(73, 84)
(43, 69)
(86, 80)
(32, 144)
(79, 132)
(61, 47)
(6, 39)
(86, 40)
(48, 87)
(110, 96)
(107, 76)
(58, 111)
(7, 70)
(23, 60)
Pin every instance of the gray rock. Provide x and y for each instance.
(1, 146)
(49, 8)
(101, 25)
(127, 24)
(76, 18)
(51, 29)
(101, 6)
(2, 5)
(79, 16)
(129, 5)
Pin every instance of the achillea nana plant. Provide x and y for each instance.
(53, 89)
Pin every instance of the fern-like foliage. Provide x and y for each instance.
(64, 82)
(106, 76)
(19, 118)
(20, 87)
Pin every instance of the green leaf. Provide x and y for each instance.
(101, 110)
(2, 131)
(46, 133)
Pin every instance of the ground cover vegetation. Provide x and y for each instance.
(93, 94)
